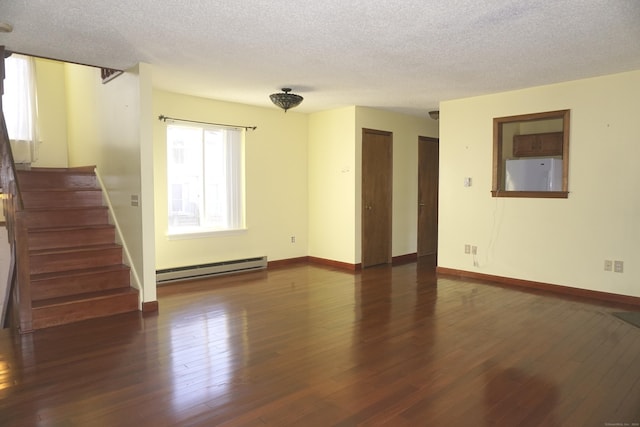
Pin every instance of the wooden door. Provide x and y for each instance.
(377, 181)
(428, 154)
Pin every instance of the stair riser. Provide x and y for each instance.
(84, 309)
(50, 180)
(70, 238)
(60, 199)
(56, 262)
(79, 284)
(75, 267)
(66, 218)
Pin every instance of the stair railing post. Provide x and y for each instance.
(9, 313)
(23, 289)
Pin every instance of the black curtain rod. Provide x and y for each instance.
(165, 118)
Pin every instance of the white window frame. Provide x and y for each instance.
(199, 159)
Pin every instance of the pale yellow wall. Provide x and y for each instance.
(406, 130)
(332, 180)
(147, 257)
(276, 183)
(303, 171)
(52, 113)
(557, 241)
(108, 129)
(541, 126)
(82, 111)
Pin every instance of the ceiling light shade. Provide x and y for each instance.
(435, 115)
(286, 100)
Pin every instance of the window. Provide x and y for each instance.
(205, 171)
(20, 108)
(531, 155)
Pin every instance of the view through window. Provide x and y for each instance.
(20, 108)
(205, 179)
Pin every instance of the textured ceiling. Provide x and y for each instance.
(405, 56)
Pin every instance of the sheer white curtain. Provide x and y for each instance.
(20, 108)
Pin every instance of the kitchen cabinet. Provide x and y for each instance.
(537, 145)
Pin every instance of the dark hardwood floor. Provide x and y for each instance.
(310, 346)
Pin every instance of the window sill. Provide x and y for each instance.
(200, 234)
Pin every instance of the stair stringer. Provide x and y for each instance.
(135, 278)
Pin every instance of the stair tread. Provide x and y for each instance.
(70, 249)
(75, 169)
(80, 272)
(76, 266)
(84, 297)
(65, 208)
(69, 228)
(59, 190)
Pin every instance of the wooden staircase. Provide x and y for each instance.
(75, 267)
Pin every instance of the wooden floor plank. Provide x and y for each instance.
(308, 345)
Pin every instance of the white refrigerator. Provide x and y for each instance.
(544, 174)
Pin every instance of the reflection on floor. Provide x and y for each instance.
(307, 345)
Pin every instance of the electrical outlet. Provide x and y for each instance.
(467, 249)
(618, 266)
(608, 265)
(293, 239)
(474, 250)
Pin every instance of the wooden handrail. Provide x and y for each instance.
(5, 183)
(16, 310)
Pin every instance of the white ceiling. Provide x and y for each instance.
(405, 56)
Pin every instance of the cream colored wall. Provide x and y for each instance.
(84, 139)
(52, 113)
(332, 171)
(276, 183)
(147, 257)
(541, 126)
(108, 129)
(406, 130)
(557, 241)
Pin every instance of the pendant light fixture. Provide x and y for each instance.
(286, 100)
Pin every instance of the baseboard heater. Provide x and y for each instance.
(211, 269)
